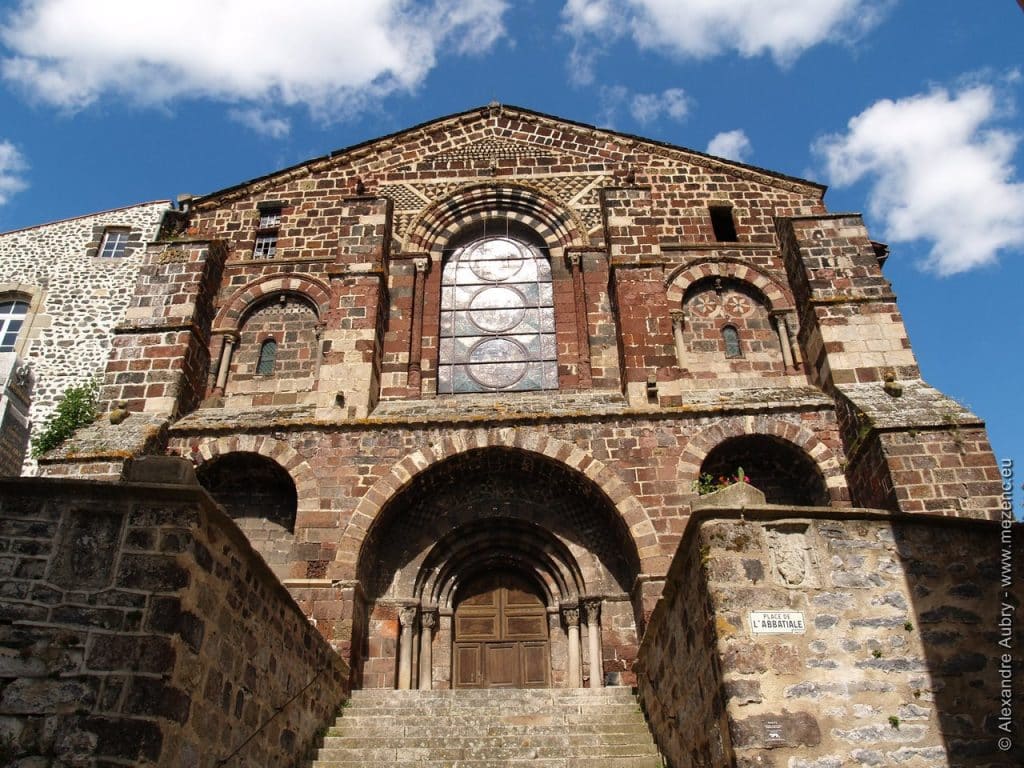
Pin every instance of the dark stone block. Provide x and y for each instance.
(86, 549)
(950, 613)
(202, 555)
(152, 572)
(161, 469)
(165, 615)
(754, 569)
(743, 691)
(11, 612)
(126, 738)
(112, 652)
(147, 696)
(771, 731)
(140, 538)
(88, 616)
(963, 662)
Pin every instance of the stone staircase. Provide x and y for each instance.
(539, 728)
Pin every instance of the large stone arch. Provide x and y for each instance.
(633, 515)
(306, 486)
(553, 222)
(827, 461)
(680, 279)
(229, 318)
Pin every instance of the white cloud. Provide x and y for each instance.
(12, 164)
(265, 125)
(732, 145)
(644, 108)
(648, 107)
(783, 29)
(332, 56)
(938, 173)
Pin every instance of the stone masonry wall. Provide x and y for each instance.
(900, 661)
(140, 628)
(77, 297)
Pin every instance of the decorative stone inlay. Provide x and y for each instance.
(789, 554)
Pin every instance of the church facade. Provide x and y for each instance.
(464, 387)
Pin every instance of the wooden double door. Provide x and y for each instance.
(501, 634)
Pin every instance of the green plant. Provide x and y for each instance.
(894, 722)
(707, 483)
(76, 409)
(908, 626)
(876, 653)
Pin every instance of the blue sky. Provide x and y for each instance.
(908, 110)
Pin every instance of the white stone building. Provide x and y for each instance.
(63, 287)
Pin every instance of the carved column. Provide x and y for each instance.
(677, 335)
(416, 333)
(793, 344)
(407, 618)
(571, 616)
(784, 345)
(593, 609)
(428, 619)
(230, 339)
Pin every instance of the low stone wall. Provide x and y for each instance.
(138, 627)
(889, 644)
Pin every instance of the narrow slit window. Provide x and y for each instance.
(268, 355)
(732, 342)
(723, 224)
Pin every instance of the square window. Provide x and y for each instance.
(266, 246)
(723, 224)
(114, 244)
(270, 218)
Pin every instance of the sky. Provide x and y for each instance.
(909, 110)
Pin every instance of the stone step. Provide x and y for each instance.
(540, 728)
(504, 750)
(476, 713)
(425, 730)
(526, 762)
(498, 693)
(593, 741)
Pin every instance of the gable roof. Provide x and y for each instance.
(495, 108)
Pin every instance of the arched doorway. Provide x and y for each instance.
(260, 496)
(510, 559)
(500, 630)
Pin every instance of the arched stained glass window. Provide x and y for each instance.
(12, 317)
(268, 355)
(497, 318)
(732, 342)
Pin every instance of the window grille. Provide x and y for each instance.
(268, 356)
(732, 342)
(114, 244)
(497, 317)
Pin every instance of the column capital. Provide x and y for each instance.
(422, 263)
(428, 618)
(571, 616)
(592, 606)
(407, 615)
(677, 316)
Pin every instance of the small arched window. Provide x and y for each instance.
(732, 342)
(268, 354)
(12, 317)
